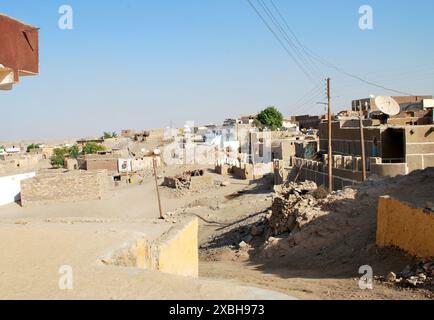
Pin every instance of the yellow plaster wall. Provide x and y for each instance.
(178, 252)
(410, 229)
(175, 252)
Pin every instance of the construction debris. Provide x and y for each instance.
(296, 205)
(193, 181)
(419, 275)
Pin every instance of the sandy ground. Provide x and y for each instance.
(35, 242)
(33, 254)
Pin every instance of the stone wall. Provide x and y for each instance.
(11, 163)
(64, 187)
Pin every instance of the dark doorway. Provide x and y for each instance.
(393, 146)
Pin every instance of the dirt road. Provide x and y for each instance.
(230, 251)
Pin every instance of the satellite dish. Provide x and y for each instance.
(387, 105)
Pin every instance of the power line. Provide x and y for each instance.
(305, 60)
(326, 63)
(292, 33)
(280, 41)
(311, 100)
(307, 95)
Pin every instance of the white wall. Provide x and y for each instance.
(10, 187)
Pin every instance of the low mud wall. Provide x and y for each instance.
(64, 187)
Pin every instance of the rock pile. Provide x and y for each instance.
(183, 180)
(296, 205)
(420, 275)
(194, 181)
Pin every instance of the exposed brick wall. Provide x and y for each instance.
(64, 187)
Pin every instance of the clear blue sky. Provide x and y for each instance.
(138, 64)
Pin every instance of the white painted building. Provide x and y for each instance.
(10, 187)
(13, 150)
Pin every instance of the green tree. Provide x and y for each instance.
(32, 146)
(108, 135)
(92, 148)
(58, 158)
(270, 118)
(74, 151)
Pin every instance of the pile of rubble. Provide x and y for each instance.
(421, 275)
(194, 181)
(295, 205)
(183, 180)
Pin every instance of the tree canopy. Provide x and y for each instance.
(270, 118)
(32, 146)
(58, 158)
(92, 148)
(59, 154)
(108, 135)
(74, 151)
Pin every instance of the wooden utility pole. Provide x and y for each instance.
(330, 151)
(362, 143)
(154, 164)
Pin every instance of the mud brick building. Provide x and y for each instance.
(368, 104)
(394, 145)
(104, 161)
